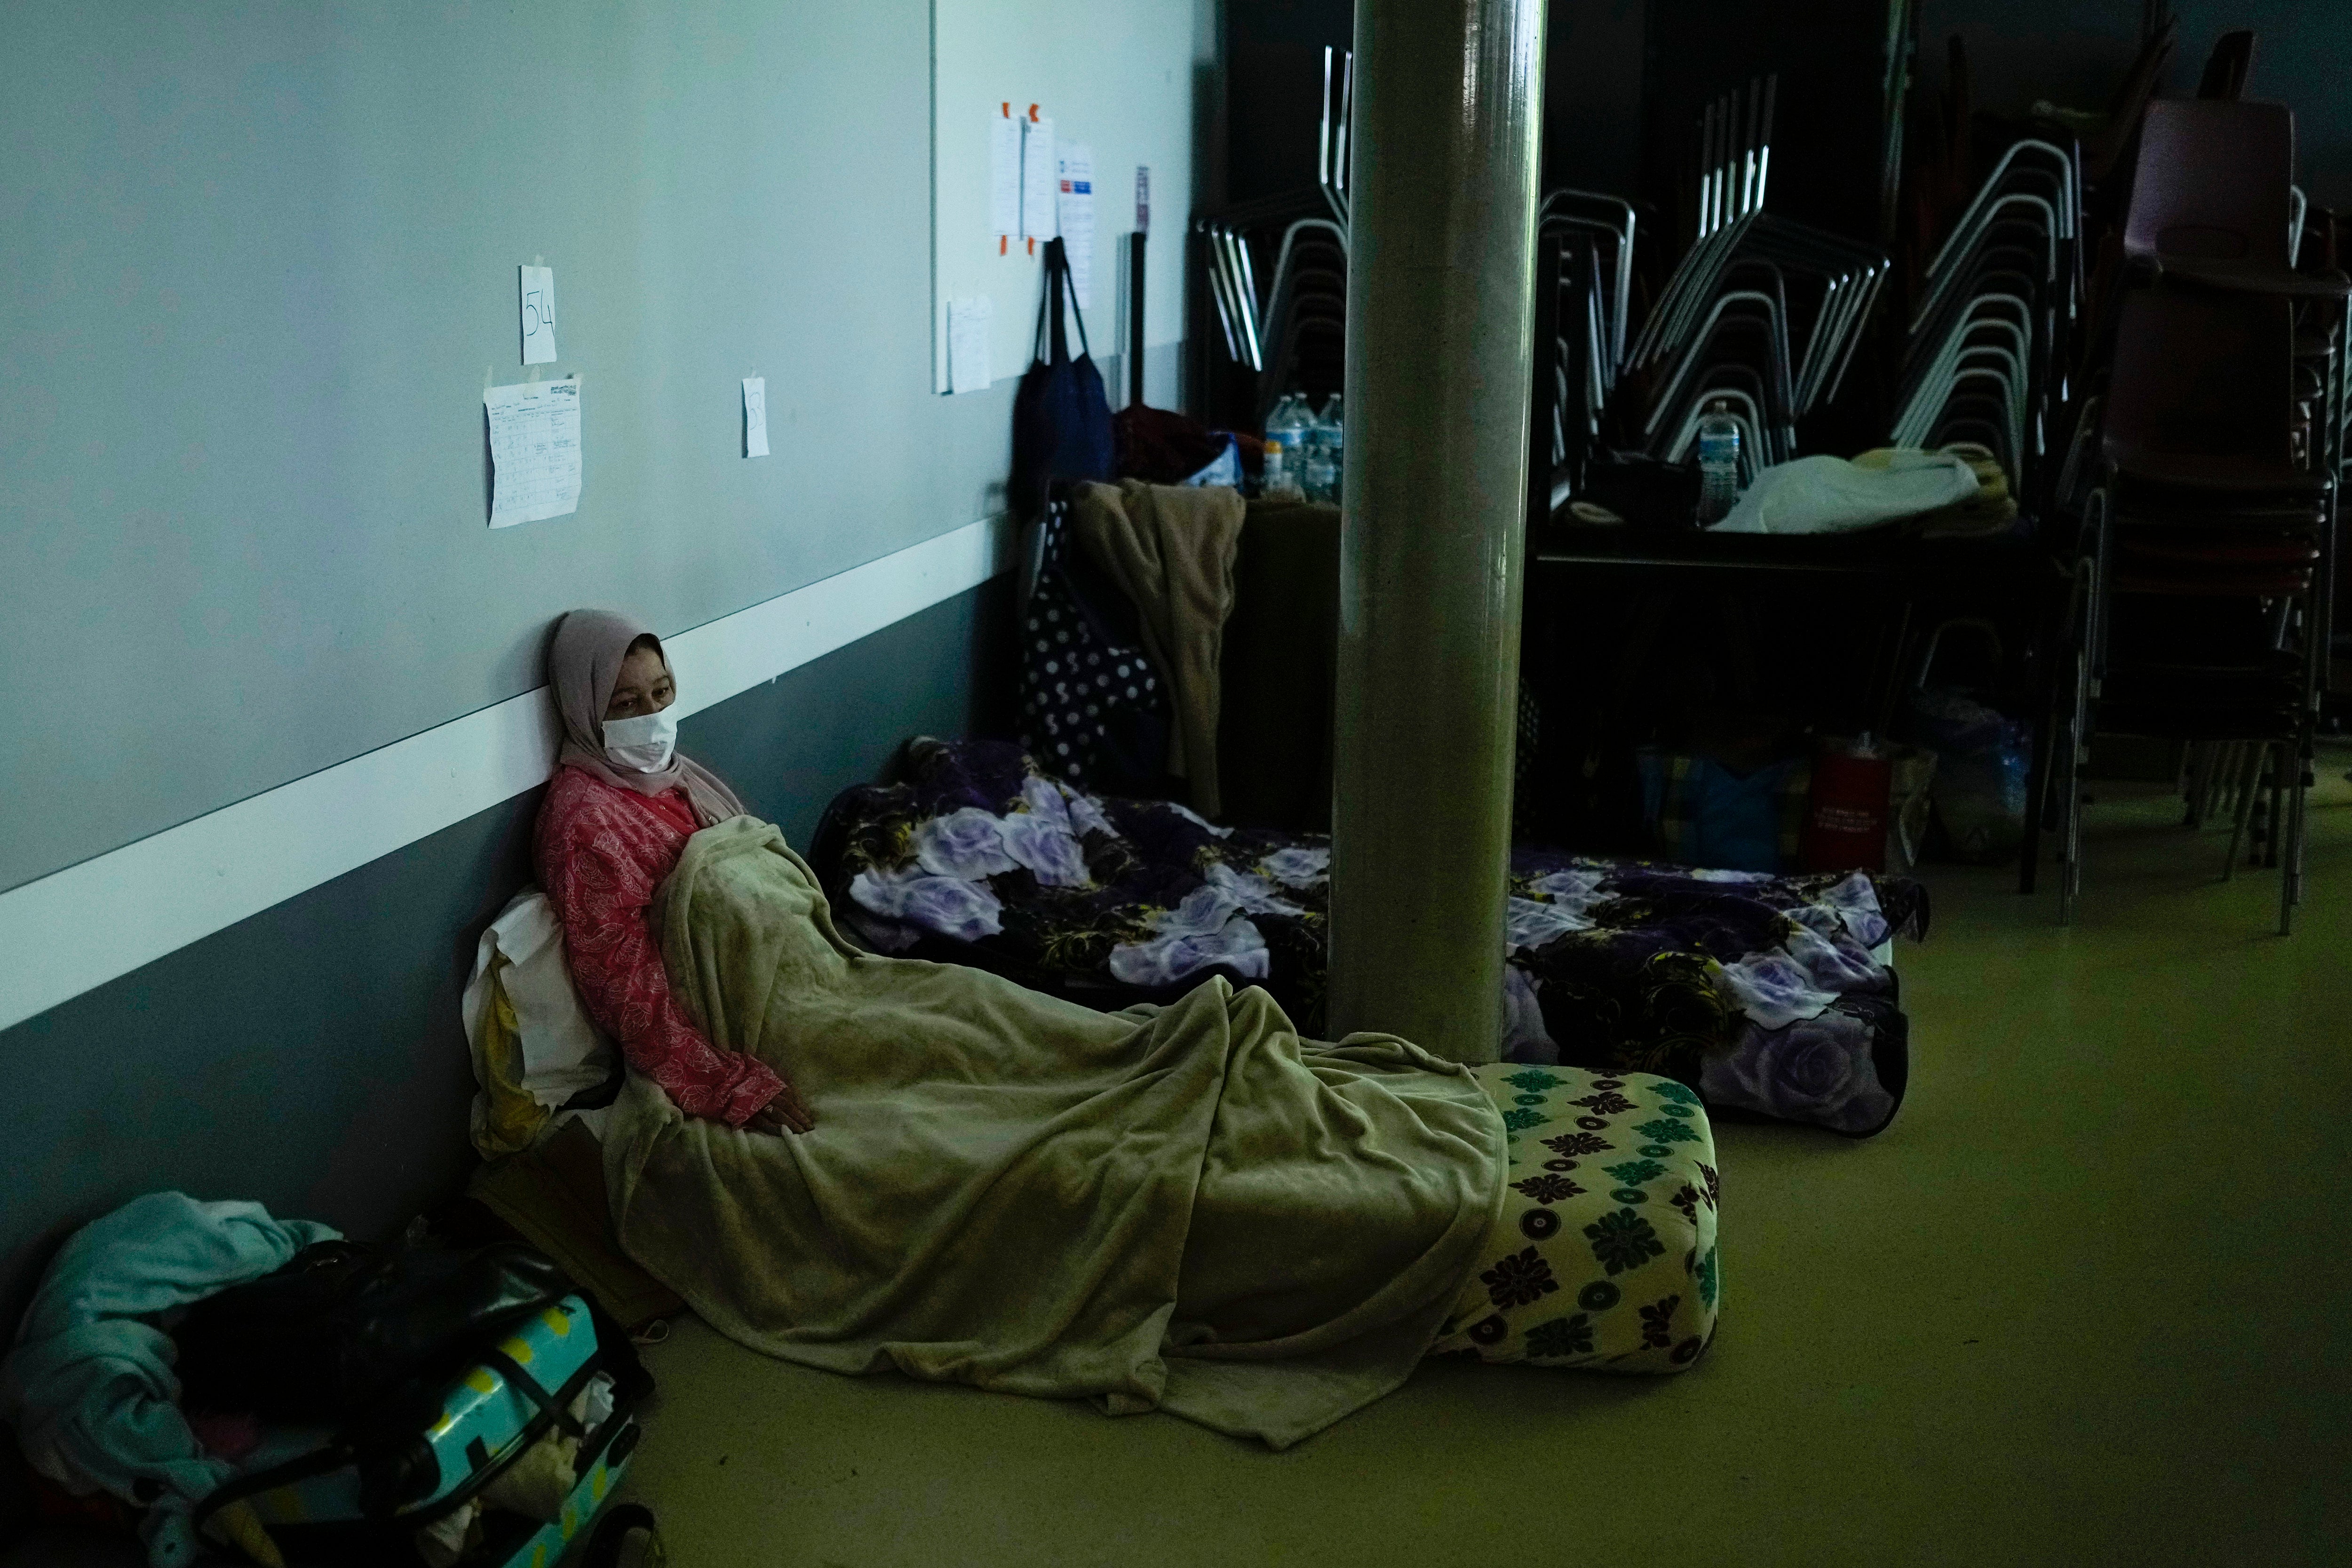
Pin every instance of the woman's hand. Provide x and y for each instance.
(785, 1113)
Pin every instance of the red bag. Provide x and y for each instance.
(1847, 809)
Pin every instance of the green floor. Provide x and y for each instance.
(2084, 1303)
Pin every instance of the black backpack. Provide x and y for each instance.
(1061, 420)
(368, 1341)
(341, 1326)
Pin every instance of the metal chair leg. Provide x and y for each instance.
(2217, 789)
(2042, 773)
(2302, 823)
(2198, 782)
(2070, 844)
(2277, 819)
(2246, 777)
(2289, 853)
(2070, 801)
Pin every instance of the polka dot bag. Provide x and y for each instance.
(1094, 708)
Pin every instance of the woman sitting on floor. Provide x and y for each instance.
(618, 814)
(1188, 1208)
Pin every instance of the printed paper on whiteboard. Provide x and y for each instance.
(1041, 181)
(1005, 177)
(968, 326)
(1076, 217)
(755, 416)
(537, 288)
(534, 450)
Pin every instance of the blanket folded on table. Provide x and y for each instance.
(1822, 494)
(1187, 1208)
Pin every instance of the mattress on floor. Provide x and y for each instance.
(1761, 992)
(1603, 1252)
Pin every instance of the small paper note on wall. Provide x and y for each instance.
(755, 416)
(967, 327)
(536, 287)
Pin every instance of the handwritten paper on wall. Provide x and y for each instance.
(755, 416)
(1076, 217)
(534, 450)
(968, 328)
(536, 287)
(1041, 181)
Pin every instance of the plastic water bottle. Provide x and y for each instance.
(1325, 449)
(1285, 441)
(1288, 424)
(1718, 463)
(1272, 477)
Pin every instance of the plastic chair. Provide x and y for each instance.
(1621, 221)
(2127, 107)
(2202, 500)
(2227, 67)
(2213, 199)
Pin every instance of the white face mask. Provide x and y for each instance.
(642, 745)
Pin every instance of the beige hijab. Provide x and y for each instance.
(583, 664)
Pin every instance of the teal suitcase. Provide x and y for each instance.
(321, 1505)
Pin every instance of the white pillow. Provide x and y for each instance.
(562, 1052)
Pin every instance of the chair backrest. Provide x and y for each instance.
(2212, 182)
(2202, 373)
(2227, 67)
(2104, 149)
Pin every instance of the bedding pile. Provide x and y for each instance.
(1603, 1255)
(1767, 994)
(1189, 1208)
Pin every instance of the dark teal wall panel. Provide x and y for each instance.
(312, 1056)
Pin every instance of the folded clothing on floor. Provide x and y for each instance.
(88, 1387)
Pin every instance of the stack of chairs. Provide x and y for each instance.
(2206, 572)
(1293, 332)
(1998, 304)
(1584, 258)
(1735, 154)
(1762, 313)
(1307, 312)
(1331, 133)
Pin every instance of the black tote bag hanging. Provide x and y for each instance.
(1061, 420)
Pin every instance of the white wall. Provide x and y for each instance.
(254, 262)
(1117, 80)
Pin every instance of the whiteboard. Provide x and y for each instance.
(1118, 76)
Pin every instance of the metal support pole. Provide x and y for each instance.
(1448, 113)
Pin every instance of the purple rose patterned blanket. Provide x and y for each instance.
(1767, 994)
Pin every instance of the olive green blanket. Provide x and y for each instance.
(1189, 1209)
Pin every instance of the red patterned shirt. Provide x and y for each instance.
(602, 851)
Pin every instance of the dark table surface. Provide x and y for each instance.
(2009, 560)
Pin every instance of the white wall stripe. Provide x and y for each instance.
(76, 929)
